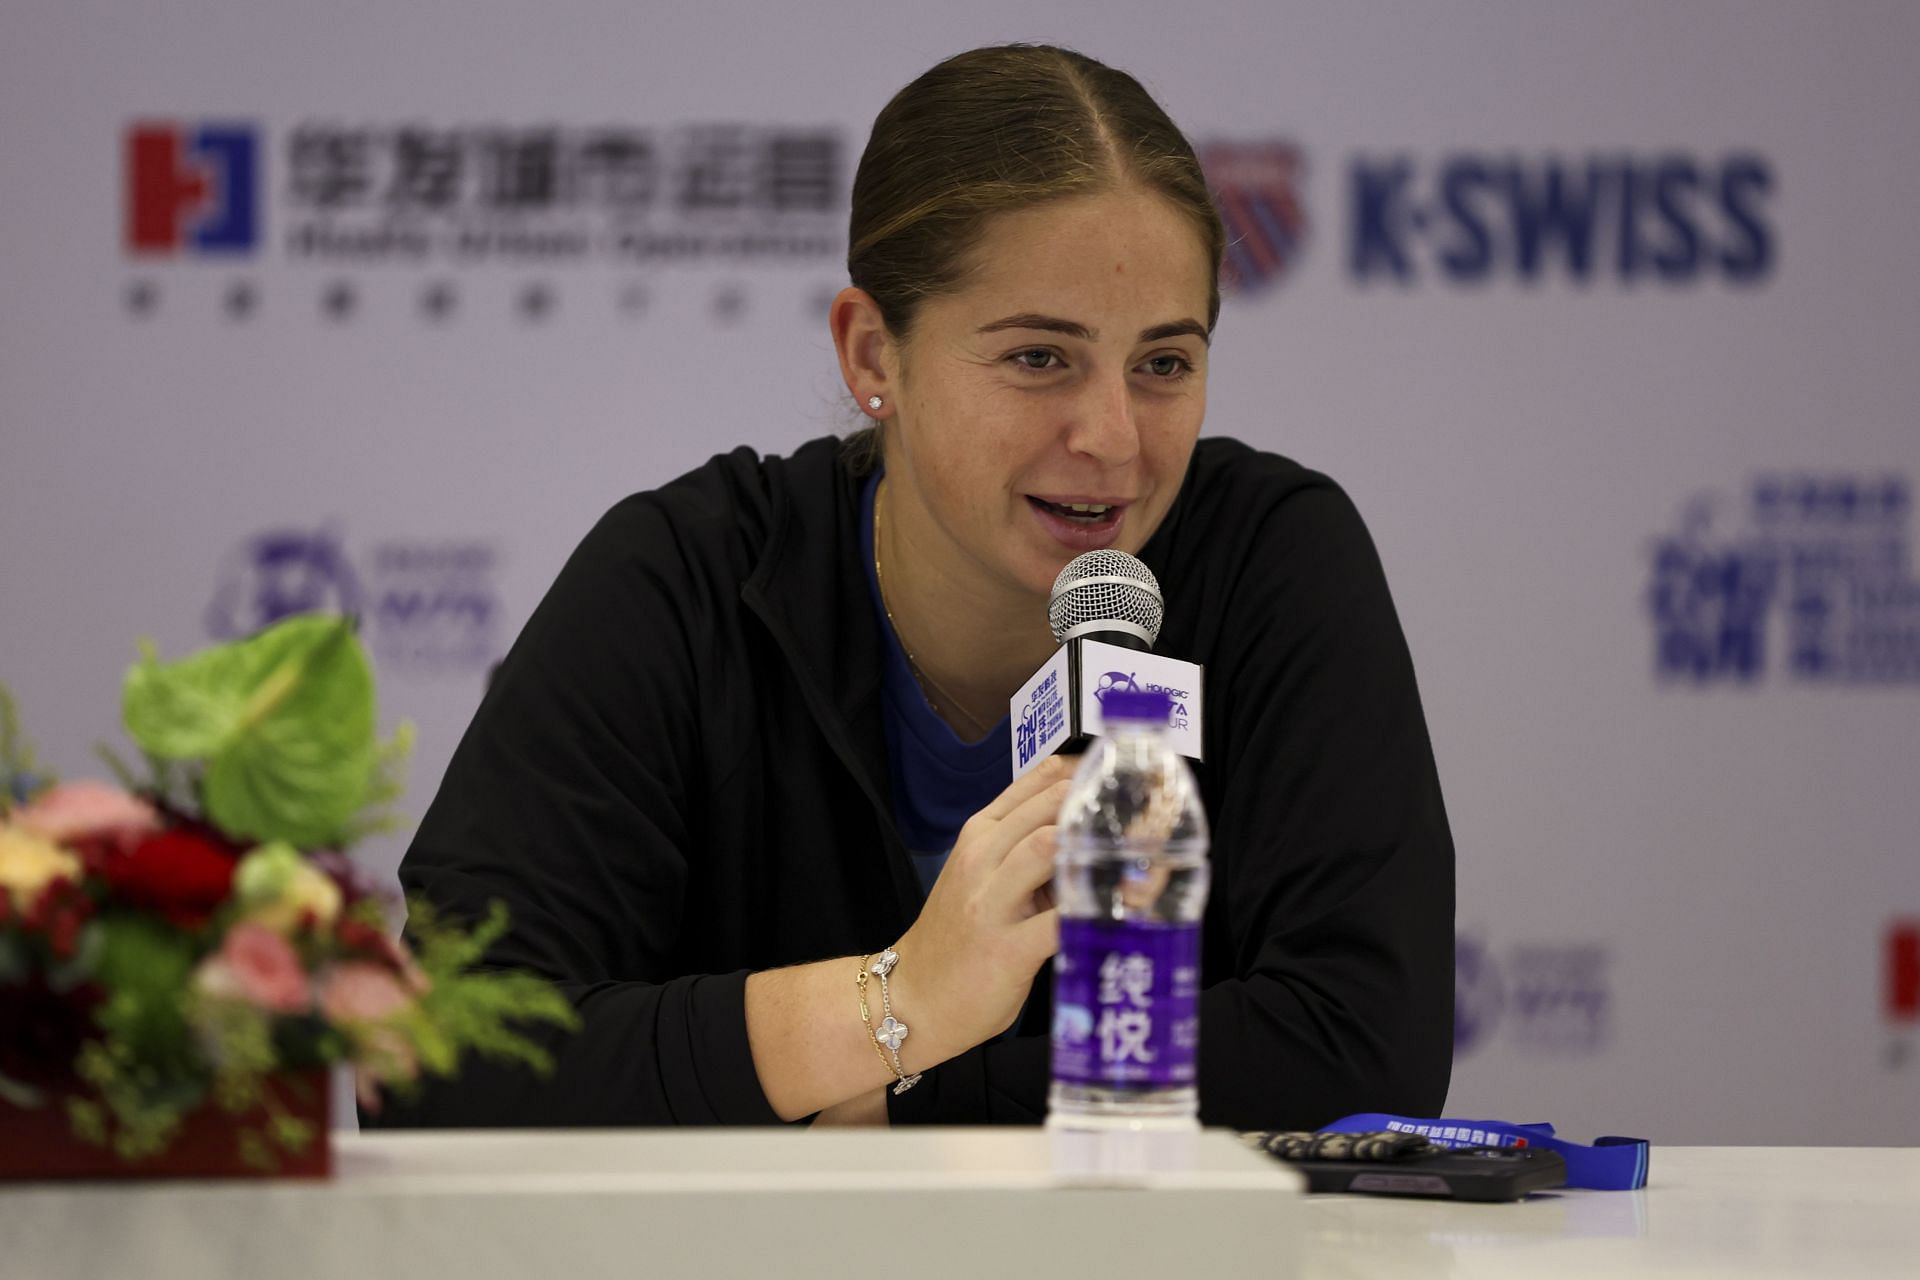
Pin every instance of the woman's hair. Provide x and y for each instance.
(992, 131)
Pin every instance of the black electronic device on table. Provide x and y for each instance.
(1400, 1165)
(1479, 1173)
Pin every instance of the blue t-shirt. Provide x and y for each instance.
(938, 779)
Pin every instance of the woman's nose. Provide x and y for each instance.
(1104, 428)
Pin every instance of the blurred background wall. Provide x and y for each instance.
(1606, 314)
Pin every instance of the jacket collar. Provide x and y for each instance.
(810, 585)
(810, 590)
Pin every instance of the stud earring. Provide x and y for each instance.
(874, 403)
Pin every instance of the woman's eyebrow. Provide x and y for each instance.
(1074, 329)
(1033, 320)
(1177, 329)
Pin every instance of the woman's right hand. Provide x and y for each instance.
(969, 960)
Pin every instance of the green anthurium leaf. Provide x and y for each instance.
(301, 764)
(184, 709)
(284, 720)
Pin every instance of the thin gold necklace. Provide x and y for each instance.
(928, 685)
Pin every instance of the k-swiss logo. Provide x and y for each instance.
(1256, 187)
(192, 189)
(1472, 217)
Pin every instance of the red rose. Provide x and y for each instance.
(362, 938)
(183, 874)
(58, 914)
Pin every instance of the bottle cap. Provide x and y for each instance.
(1152, 706)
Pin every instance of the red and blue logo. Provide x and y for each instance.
(1255, 186)
(192, 189)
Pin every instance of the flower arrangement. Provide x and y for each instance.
(184, 938)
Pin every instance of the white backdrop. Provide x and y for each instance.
(1679, 893)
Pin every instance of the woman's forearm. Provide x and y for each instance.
(810, 1049)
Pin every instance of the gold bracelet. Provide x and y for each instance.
(891, 1031)
(866, 1015)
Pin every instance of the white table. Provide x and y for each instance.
(977, 1203)
(1826, 1212)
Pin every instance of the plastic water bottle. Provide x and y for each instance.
(1130, 879)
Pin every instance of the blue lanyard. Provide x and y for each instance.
(1610, 1164)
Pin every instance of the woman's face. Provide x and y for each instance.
(1068, 372)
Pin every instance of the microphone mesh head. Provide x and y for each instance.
(1105, 586)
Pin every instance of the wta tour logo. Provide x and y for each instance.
(192, 189)
(1814, 569)
(277, 574)
(1546, 998)
(425, 607)
(1256, 187)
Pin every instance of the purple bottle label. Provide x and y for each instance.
(1125, 1004)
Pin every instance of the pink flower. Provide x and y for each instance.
(356, 935)
(360, 991)
(257, 965)
(85, 810)
(390, 1059)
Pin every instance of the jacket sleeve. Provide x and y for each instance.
(1335, 880)
(568, 801)
(1329, 924)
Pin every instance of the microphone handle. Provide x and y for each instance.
(1077, 743)
(1120, 639)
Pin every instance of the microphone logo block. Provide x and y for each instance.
(1127, 669)
(1040, 713)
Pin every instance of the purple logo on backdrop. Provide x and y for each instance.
(1559, 997)
(279, 573)
(1256, 188)
(1816, 563)
(1477, 995)
(435, 607)
(1546, 998)
(425, 607)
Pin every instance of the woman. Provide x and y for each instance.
(756, 730)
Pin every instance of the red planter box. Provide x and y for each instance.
(39, 1143)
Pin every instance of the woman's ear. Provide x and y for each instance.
(868, 361)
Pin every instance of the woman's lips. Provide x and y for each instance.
(1079, 534)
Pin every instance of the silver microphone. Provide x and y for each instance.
(1105, 611)
(1107, 595)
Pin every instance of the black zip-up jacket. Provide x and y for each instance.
(679, 776)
